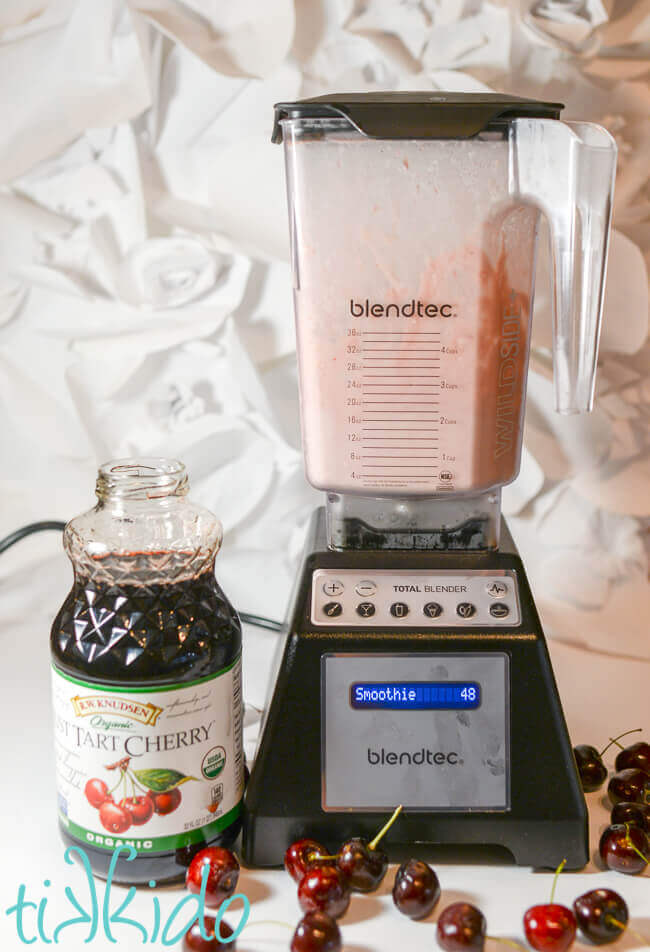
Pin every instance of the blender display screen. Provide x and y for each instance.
(415, 695)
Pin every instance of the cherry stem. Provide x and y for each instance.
(623, 926)
(515, 945)
(614, 740)
(385, 828)
(114, 788)
(314, 856)
(628, 840)
(557, 873)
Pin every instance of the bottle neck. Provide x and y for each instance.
(127, 481)
(143, 530)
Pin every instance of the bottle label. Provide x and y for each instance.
(157, 769)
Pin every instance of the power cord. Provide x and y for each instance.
(52, 524)
(19, 534)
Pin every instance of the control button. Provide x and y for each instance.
(432, 610)
(496, 589)
(332, 609)
(333, 587)
(365, 609)
(465, 609)
(366, 588)
(499, 610)
(399, 609)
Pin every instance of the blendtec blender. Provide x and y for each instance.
(415, 669)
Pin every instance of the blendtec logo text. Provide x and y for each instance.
(393, 758)
(411, 308)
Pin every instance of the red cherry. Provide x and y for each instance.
(635, 756)
(550, 928)
(416, 889)
(461, 928)
(140, 808)
(114, 818)
(316, 932)
(324, 889)
(636, 814)
(164, 803)
(96, 792)
(303, 855)
(602, 915)
(630, 786)
(364, 867)
(223, 873)
(624, 848)
(193, 941)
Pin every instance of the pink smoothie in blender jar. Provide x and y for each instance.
(413, 242)
(414, 278)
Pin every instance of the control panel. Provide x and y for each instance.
(414, 598)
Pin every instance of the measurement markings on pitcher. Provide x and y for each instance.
(399, 406)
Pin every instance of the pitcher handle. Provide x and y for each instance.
(567, 170)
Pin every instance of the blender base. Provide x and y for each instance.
(542, 817)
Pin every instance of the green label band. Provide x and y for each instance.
(153, 844)
(148, 689)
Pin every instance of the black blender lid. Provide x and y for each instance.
(415, 115)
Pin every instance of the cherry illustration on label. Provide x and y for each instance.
(152, 791)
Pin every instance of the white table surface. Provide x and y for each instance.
(601, 694)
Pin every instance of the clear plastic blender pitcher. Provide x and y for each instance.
(414, 222)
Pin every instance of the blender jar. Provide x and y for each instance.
(413, 222)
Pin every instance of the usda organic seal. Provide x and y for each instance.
(213, 763)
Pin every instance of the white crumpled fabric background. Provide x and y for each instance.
(145, 290)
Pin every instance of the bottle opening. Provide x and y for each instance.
(146, 478)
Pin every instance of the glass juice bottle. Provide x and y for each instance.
(146, 668)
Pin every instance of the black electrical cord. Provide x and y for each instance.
(25, 531)
(259, 620)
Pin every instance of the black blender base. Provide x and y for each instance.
(547, 817)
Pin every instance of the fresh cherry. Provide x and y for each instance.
(624, 848)
(140, 808)
(316, 932)
(96, 792)
(222, 876)
(630, 785)
(324, 889)
(416, 889)
(602, 915)
(638, 814)
(635, 756)
(461, 927)
(364, 867)
(114, 818)
(193, 941)
(551, 927)
(591, 768)
(303, 855)
(164, 803)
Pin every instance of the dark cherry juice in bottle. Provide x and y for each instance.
(146, 670)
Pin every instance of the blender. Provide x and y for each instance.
(414, 669)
